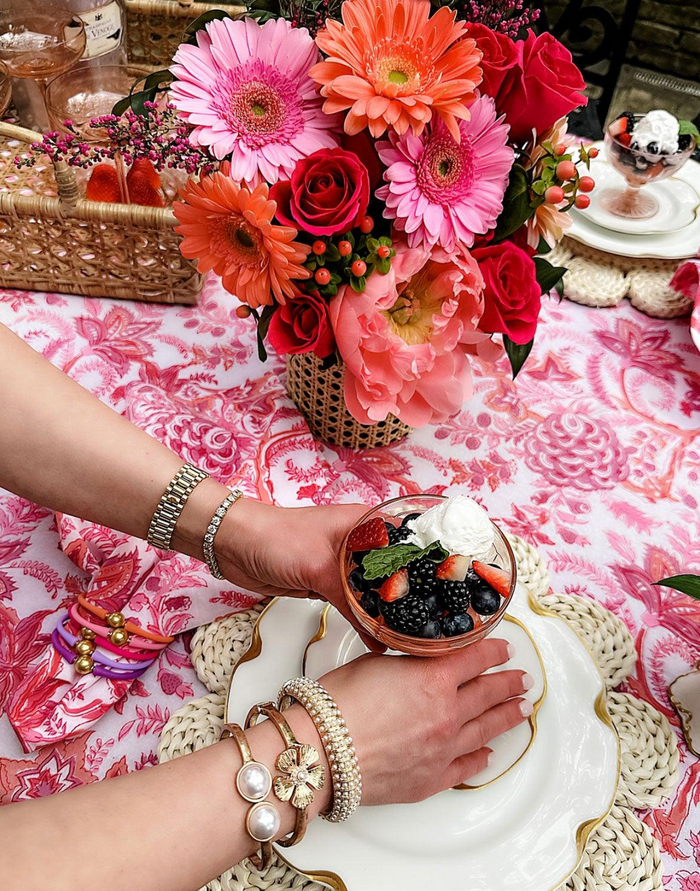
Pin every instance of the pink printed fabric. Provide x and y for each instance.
(592, 455)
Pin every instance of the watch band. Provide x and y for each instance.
(173, 500)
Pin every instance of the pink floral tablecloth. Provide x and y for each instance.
(592, 455)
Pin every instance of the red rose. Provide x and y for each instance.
(543, 87)
(302, 325)
(328, 191)
(500, 55)
(512, 296)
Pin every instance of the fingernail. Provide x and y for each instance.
(489, 759)
(510, 649)
(526, 708)
(528, 682)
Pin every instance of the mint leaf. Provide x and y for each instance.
(383, 562)
(686, 584)
(688, 128)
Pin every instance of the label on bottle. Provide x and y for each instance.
(104, 29)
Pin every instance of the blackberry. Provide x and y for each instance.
(407, 519)
(630, 120)
(397, 533)
(370, 603)
(421, 575)
(358, 581)
(455, 596)
(486, 602)
(653, 148)
(684, 141)
(475, 582)
(406, 615)
(462, 623)
(432, 629)
(434, 603)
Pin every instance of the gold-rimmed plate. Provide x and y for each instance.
(527, 830)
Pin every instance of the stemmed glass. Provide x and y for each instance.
(639, 167)
(36, 46)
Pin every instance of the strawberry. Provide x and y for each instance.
(143, 168)
(497, 578)
(368, 536)
(619, 126)
(395, 587)
(143, 183)
(454, 569)
(624, 139)
(103, 184)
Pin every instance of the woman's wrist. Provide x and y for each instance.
(196, 515)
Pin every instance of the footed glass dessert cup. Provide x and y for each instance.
(393, 512)
(639, 167)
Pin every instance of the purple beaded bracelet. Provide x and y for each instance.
(90, 662)
(87, 648)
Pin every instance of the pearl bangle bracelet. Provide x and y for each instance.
(345, 769)
(254, 783)
(109, 633)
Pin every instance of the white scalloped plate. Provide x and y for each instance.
(527, 830)
(337, 643)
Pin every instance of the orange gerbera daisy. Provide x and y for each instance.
(228, 229)
(393, 65)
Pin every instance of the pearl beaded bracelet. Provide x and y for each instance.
(345, 769)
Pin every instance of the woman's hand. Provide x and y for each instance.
(286, 551)
(423, 725)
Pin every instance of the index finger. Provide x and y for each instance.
(471, 661)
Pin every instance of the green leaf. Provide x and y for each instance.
(383, 562)
(517, 353)
(559, 288)
(383, 265)
(332, 253)
(516, 204)
(154, 83)
(548, 275)
(263, 325)
(543, 247)
(688, 128)
(201, 21)
(687, 584)
(358, 283)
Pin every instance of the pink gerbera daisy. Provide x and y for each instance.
(246, 90)
(442, 192)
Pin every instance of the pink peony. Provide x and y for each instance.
(246, 90)
(443, 192)
(405, 340)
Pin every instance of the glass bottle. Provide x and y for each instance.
(105, 30)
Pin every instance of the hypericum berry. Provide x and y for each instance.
(554, 195)
(243, 312)
(359, 267)
(322, 276)
(366, 224)
(582, 201)
(383, 251)
(407, 615)
(586, 184)
(593, 152)
(566, 170)
(319, 247)
(344, 248)
(560, 149)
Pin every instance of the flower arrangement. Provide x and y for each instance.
(376, 181)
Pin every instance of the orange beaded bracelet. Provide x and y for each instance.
(120, 625)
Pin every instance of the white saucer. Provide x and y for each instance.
(695, 326)
(337, 642)
(528, 830)
(677, 245)
(677, 197)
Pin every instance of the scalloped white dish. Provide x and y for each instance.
(527, 830)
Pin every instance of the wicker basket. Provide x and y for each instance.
(155, 27)
(53, 240)
(318, 394)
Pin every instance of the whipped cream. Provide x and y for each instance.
(657, 126)
(460, 525)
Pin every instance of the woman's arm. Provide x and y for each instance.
(62, 448)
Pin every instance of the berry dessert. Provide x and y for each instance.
(436, 574)
(648, 147)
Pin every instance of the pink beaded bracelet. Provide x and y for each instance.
(108, 633)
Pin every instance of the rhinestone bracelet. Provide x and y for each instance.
(213, 528)
(336, 739)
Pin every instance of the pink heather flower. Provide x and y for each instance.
(445, 193)
(405, 340)
(246, 91)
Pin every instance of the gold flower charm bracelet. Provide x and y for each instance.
(298, 764)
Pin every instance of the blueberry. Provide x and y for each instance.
(431, 629)
(370, 603)
(358, 581)
(486, 602)
(408, 518)
(462, 623)
(653, 148)
(684, 141)
(434, 603)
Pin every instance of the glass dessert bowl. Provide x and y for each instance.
(440, 599)
(643, 152)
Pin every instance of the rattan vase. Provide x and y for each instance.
(318, 394)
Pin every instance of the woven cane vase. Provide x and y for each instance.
(318, 394)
